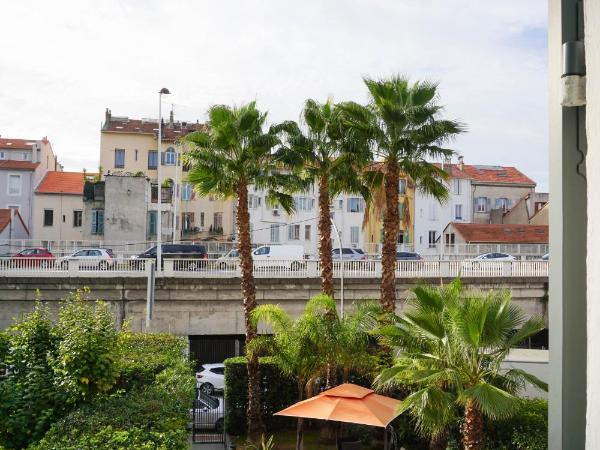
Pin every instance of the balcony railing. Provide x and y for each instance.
(166, 194)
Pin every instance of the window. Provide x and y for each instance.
(26, 156)
(170, 157)
(186, 191)
(135, 154)
(456, 185)
(14, 184)
(98, 221)
(354, 235)
(450, 239)
(77, 218)
(481, 204)
(152, 159)
(432, 211)
(502, 203)
(356, 205)
(307, 232)
(152, 222)
(187, 219)
(2, 155)
(341, 204)
(401, 210)
(274, 233)
(294, 232)
(48, 217)
(432, 238)
(304, 203)
(201, 219)
(401, 237)
(253, 201)
(119, 158)
(458, 212)
(402, 187)
(218, 221)
(64, 217)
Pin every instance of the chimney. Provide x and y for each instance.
(171, 121)
(107, 116)
(461, 163)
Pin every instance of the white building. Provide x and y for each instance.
(431, 216)
(271, 225)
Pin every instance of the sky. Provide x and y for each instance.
(63, 62)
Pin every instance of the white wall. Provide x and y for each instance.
(592, 55)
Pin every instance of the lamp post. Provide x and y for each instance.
(337, 235)
(164, 91)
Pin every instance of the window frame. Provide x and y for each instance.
(481, 201)
(75, 211)
(457, 208)
(274, 233)
(119, 151)
(20, 178)
(170, 157)
(97, 225)
(44, 218)
(155, 153)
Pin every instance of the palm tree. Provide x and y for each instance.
(327, 156)
(451, 346)
(403, 125)
(235, 152)
(305, 348)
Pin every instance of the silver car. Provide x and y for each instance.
(207, 413)
(348, 254)
(89, 259)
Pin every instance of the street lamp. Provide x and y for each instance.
(164, 91)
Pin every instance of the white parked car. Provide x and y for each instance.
(288, 256)
(210, 378)
(348, 254)
(229, 261)
(494, 257)
(207, 413)
(90, 258)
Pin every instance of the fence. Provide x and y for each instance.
(206, 268)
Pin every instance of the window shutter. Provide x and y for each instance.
(489, 204)
(162, 159)
(101, 221)
(94, 222)
(475, 204)
(192, 217)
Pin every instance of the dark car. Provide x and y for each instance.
(33, 257)
(189, 252)
(408, 256)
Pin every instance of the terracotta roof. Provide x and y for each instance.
(455, 171)
(5, 219)
(497, 174)
(16, 144)
(17, 165)
(502, 233)
(62, 183)
(137, 126)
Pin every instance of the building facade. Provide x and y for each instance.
(130, 146)
(12, 226)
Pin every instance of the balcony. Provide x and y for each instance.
(93, 191)
(166, 194)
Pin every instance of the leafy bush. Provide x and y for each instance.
(84, 363)
(526, 430)
(277, 392)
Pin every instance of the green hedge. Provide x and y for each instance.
(527, 430)
(277, 392)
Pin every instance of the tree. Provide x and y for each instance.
(403, 125)
(451, 346)
(305, 348)
(326, 155)
(234, 153)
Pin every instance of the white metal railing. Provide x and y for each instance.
(210, 268)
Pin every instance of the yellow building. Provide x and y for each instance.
(373, 220)
(131, 146)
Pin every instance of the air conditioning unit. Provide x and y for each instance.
(276, 212)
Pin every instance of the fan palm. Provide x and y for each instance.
(403, 125)
(325, 155)
(305, 348)
(234, 153)
(451, 347)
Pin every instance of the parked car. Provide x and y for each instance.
(33, 257)
(192, 253)
(289, 256)
(207, 413)
(90, 258)
(210, 378)
(408, 256)
(546, 257)
(494, 257)
(348, 254)
(229, 261)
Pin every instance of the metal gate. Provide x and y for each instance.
(208, 418)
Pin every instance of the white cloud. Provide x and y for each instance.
(64, 62)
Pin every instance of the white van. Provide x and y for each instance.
(288, 256)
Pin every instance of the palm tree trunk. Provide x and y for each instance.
(473, 427)
(439, 442)
(390, 237)
(325, 238)
(254, 416)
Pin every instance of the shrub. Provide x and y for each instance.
(277, 392)
(84, 363)
(526, 430)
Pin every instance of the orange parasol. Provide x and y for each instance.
(347, 403)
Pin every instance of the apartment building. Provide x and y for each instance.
(58, 206)
(23, 164)
(272, 225)
(130, 146)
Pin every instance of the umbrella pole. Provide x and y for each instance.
(385, 438)
(338, 443)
